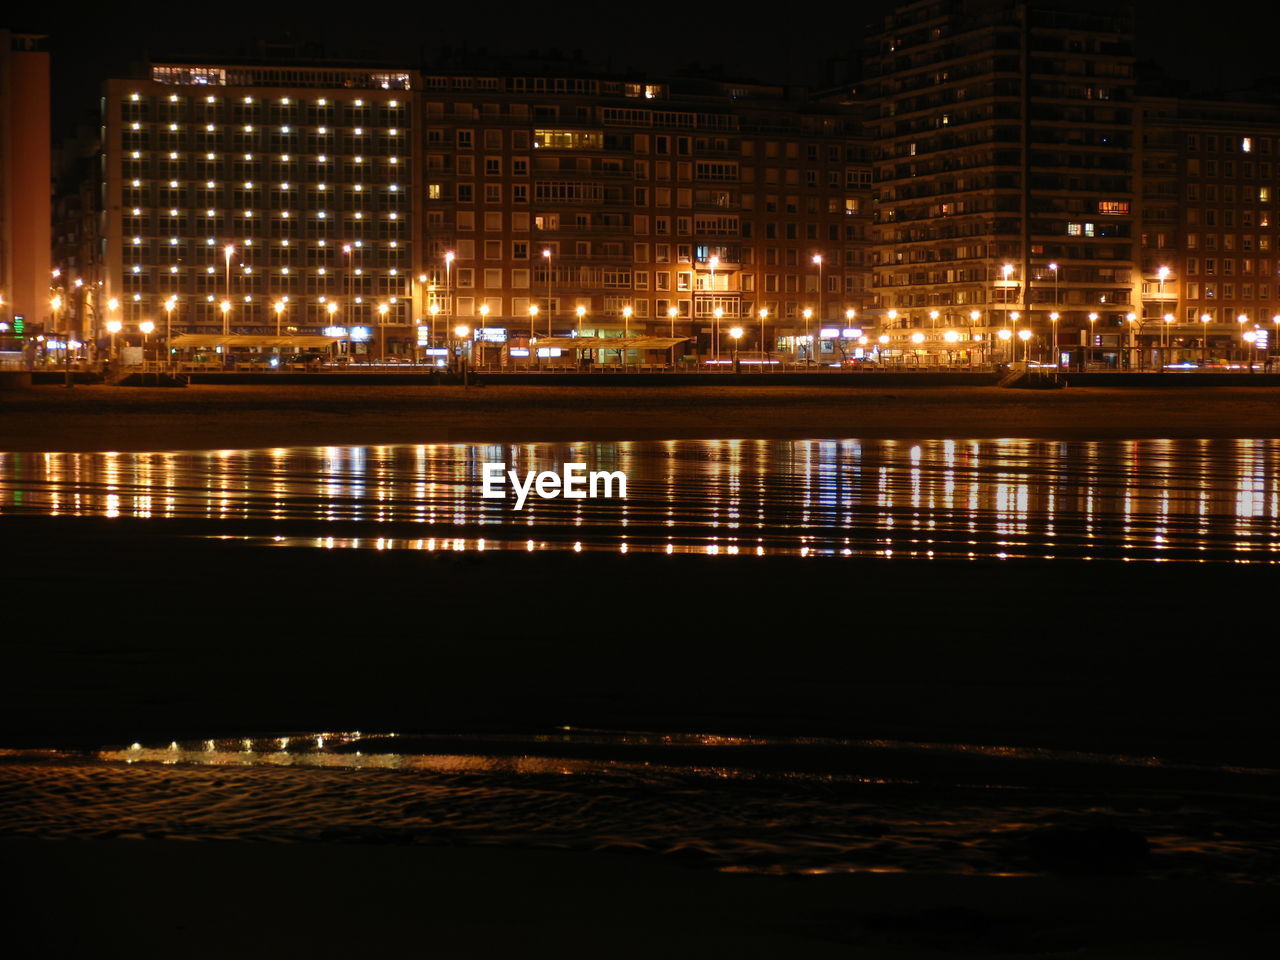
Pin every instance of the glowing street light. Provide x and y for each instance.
(1204, 340)
(808, 315)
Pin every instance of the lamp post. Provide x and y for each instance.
(735, 333)
(331, 308)
(145, 327)
(546, 255)
(1275, 321)
(225, 307)
(581, 311)
(1025, 336)
(168, 325)
(113, 327)
(1093, 318)
(716, 314)
(1242, 319)
(764, 316)
(816, 349)
(1204, 340)
(1053, 321)
(278, 307)
(808, 315)
(228, 251)
(974, 317)
(672, 313)
(1057, 302)
(383, 309)
(434, 310)
(626, 332)
(533, 352)
(1134, 343)
(1164, 341)
(448, 283)
(1014, 315)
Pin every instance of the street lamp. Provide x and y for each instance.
(582, 312)
(1053, 321)
(626, 331)
(808, 315)
(434, 310)
(228, 251)
(1014, 316)
(383, 309)
(716, 314)
(1242, 319)
(1164, 340)
(278, 307)
(533, 351)
(546, 255)
(1057, 302)
(168, 323)
(1132, 319)
(1204, 341)
(448, 283)
(113, 327)
(735, 333)
(225, 307)
(817, 258)
(1025, 336)
(146, 326)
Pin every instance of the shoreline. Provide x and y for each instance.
(99, 418)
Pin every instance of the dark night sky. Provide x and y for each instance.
(1201, 47)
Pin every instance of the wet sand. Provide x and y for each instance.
(167, 898)
(204, 416)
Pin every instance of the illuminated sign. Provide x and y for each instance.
(546, 352)
(335, 331)
(852, 333)
(492, 334)
(829, 332)
(361, 334)
(519, 352)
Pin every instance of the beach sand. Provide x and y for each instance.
(205, 417)
(122, 630)
(156, 898)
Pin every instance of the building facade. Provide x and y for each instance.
(1004, 173)
(26, 188)
(399, 204)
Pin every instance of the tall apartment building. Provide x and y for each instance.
(340, 189)
(1004, 172)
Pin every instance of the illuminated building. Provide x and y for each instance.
(25, 175)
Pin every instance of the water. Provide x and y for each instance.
(735, 804)
(1213, 501)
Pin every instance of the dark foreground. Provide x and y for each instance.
(120, 630)
(215, 900)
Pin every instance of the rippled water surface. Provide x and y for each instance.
(740, 804)
(1144, 500)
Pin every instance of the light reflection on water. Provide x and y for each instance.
(1140, 500)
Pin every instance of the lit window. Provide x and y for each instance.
(1246, 144)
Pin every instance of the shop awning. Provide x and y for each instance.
(196, 341)
(607, 343)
